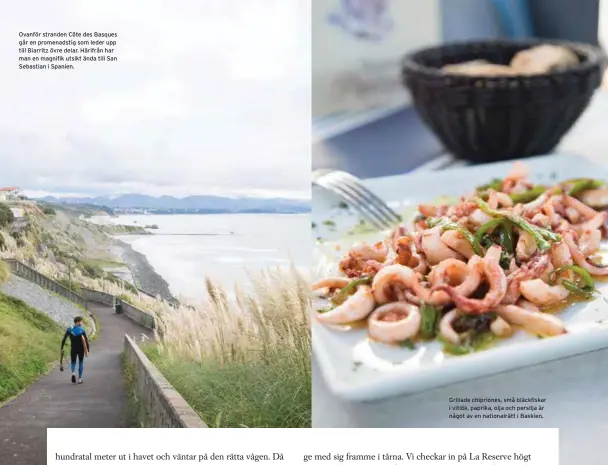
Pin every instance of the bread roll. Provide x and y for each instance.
(478, 68)
(543, 59)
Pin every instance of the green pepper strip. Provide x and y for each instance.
(505, 260)
(541, 236)
(573, 288)
(475, 343)
(581, 185)
(495, 184)
(444, 224)
(588, 283)
(505, 229)
(582, 272)
(453, 348)
(429, 314)
(529, 196)
(408, 344)
(487, 227)
(506, 237)
(349, 288)
(482, 340)
(325, 310)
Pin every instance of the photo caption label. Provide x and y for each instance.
(505, 408)
(65, 50)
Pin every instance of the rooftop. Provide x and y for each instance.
(8, 189)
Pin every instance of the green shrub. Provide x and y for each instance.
(112, 278)
(6, 215)
(65, 282)
(18, 239)
(92, 271)
(121, 282)
(130, 287)
(48, 210)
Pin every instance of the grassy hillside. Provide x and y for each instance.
(29, 342)
(70, 251)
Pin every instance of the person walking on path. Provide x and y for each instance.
(80, 347)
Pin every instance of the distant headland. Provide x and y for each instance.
(197, 204)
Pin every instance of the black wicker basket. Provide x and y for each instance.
(485, 119)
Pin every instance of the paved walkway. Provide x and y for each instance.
(54, 402)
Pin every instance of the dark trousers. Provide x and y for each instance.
(77, 354)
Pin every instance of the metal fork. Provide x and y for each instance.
(353, 192)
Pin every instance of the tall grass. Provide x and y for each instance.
(242, 360)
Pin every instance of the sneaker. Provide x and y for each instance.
(73, 378)
(80, 381)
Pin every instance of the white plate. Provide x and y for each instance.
(357, 369)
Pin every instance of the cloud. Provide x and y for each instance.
(154, 101)
(207, 97)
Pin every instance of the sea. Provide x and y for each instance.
(186, 249)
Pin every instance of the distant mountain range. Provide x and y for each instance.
(193, 204)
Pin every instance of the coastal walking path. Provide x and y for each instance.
(54, 402)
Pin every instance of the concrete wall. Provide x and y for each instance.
(100, 297)
(162, 405)
(25, 272)
(137, 315)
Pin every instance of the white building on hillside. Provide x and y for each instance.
(9, 193)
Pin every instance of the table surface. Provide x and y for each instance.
(576, 388)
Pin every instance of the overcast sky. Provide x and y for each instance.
(208, 96)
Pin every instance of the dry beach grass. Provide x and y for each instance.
(243, 360)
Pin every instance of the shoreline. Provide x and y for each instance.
(144, 275)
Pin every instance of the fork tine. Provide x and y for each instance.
(346, 189)
(370, 201)
(364, 194)
(392, 215)
(351, 200)
(356, 203)
(349, 190)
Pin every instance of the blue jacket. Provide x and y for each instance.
(76, 333)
